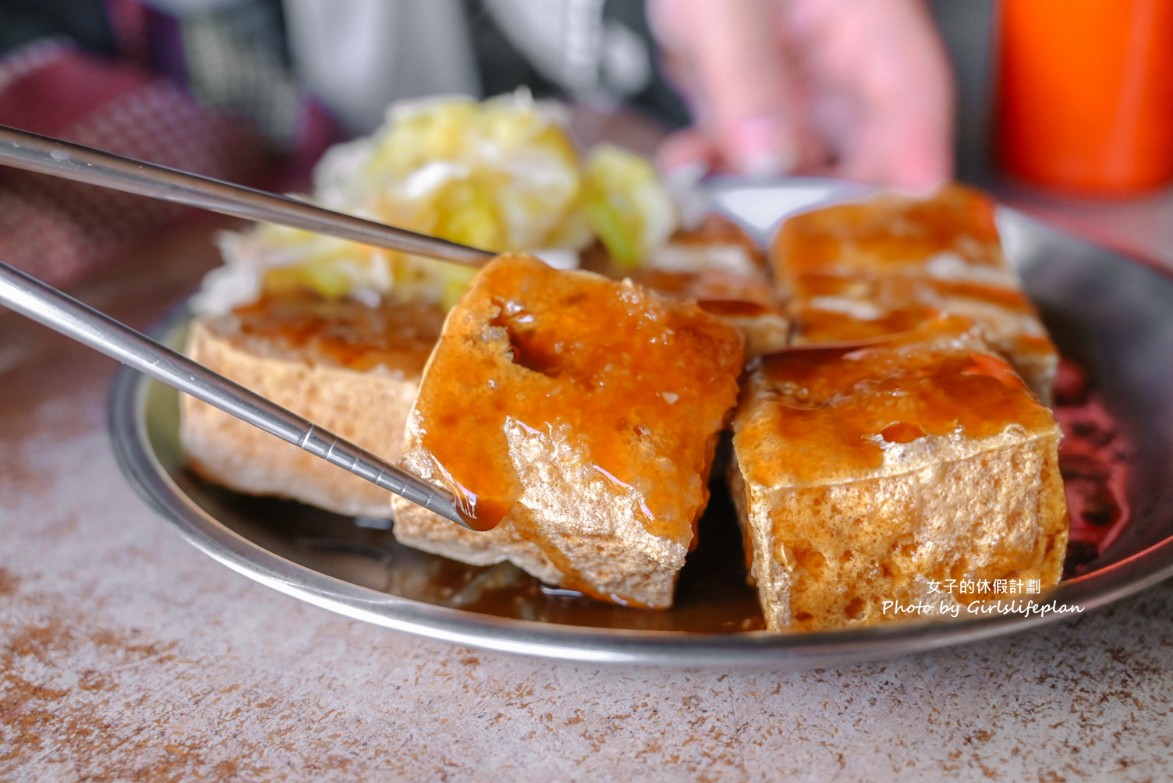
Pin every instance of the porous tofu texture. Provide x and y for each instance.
(350, 368)
(578, 417)
(867, 475)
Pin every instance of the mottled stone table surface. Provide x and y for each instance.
(126, 654)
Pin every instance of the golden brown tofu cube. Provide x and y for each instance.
(578, 418)
(349, 367)
(872, 474)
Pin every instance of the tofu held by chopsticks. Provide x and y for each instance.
(579, 418)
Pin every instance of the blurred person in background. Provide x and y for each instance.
(254, 90)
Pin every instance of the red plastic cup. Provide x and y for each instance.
(1085, 94)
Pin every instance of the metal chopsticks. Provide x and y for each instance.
(46, 155)
(48, 306)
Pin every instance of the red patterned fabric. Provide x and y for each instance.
(59, 230)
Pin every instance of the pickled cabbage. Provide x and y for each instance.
(502, 175)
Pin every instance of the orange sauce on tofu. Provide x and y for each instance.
(863, 270)
(815, 325)
(895, 291)
(828, 414)
(736, 308)
(639, 384)
(824, 307)
(397, 337)
(885, 233)
(720, 293)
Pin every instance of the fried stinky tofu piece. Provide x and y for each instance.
(577, 417)
(866, 475)
(883, 265)
(351, 368)
(890, 233)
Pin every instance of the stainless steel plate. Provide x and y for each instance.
(1112, 314)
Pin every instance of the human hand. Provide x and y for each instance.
(861, 90)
